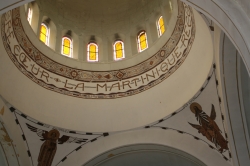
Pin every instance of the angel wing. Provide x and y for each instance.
(76, 140)
(41, 133)
(213, 113)
(69, 139)
(63, 139)
(198, 127)
(202, 118)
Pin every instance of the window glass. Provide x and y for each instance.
(44, 34)
(119, 50)
(160, 26)
(67, 46)
(92, 52)
(29, 16)
(142, 41)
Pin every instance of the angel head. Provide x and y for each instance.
(53, 134)
(195, 108)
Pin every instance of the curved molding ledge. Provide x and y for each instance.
(138, 148)
(7, 5)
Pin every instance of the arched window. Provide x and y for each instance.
(44, 34)
(29, 15)
(142, 41)
(67, 47)
(92, 52)
(118, 50)
(160, 26)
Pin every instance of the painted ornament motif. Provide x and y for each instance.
(208, 126)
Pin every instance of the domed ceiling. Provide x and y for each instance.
(84, 113)
(97, 16)
(93, 84)
(57, 113)
(140, 87)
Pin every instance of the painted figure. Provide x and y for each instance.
(208, 126)
(48, 148)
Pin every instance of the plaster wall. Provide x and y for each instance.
(245, 4)
(245, 89)
(3, 161)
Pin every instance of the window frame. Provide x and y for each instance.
(47, 35)
(71, 46)
(139, 42)
(88, 52)
(159, 26)
(114, 50)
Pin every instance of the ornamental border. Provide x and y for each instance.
(16, 20)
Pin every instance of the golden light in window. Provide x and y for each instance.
(92, 52)
(44, 34)
(160, 26)
(67, 46)
(29, 15)
(142, 41)
(119, 50)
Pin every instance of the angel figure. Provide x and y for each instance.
(208, 126)
(49, 147)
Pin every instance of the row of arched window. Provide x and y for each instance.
(92, 48)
